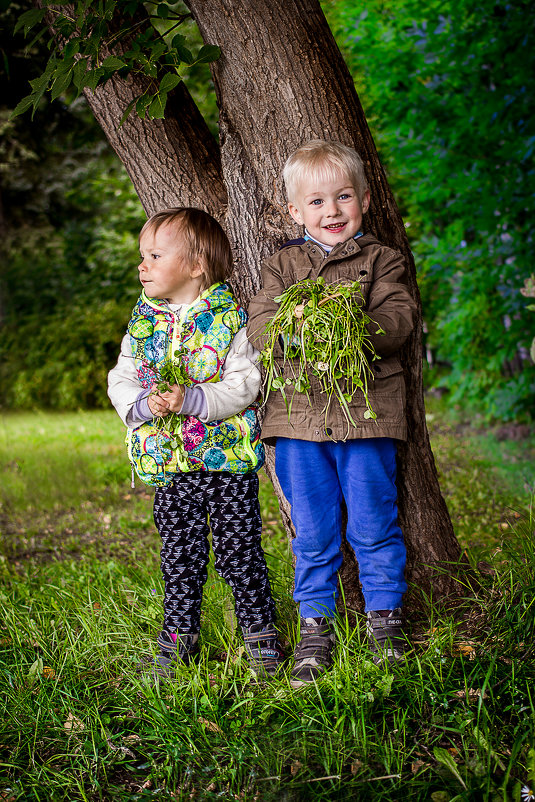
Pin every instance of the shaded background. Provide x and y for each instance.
(447, 90)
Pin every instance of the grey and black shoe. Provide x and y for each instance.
(314, 652)
(172, 655)
(263, 650)
(386, 636)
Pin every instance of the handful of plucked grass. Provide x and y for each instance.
(324, 334)
(172, 370)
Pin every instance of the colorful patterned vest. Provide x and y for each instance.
(204, 337)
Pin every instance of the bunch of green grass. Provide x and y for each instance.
(324, 330)
(171, 371)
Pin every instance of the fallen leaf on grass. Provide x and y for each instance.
(417, 765)
(470, 695)
(356, 766)
(132, 739)
(238, 656)
(467, 649)
(211, 726)
(72, 723)
(295, 767)
(48, 673)
(124, 750)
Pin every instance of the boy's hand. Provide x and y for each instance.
(174, 398)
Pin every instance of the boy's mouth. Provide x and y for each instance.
(335, 226)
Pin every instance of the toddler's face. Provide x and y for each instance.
(165, 272)
(330, 209)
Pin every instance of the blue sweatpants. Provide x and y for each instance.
(315, 477)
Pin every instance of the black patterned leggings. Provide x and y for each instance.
(181, 512)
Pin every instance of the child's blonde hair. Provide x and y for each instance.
(204, 239)
(325, 160)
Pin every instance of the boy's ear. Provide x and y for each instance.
(296, 214)
(365, 201)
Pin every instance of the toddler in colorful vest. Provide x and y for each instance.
(185, 384)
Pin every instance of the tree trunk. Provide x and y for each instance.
(281, 81)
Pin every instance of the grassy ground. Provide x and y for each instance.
(81, 601)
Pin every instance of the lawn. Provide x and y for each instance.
(81, 603)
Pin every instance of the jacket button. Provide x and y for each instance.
(328, 431)
(377, 368)
(363, 273)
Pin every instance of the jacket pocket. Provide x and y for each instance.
(386, 392)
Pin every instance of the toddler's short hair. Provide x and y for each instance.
(325, 160)
(204, 239)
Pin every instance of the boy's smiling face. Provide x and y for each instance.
(329, 208)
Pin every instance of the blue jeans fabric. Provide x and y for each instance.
(315, 477)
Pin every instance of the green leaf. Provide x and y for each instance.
(72, 47)
(163, 10)
(60, 85)
(207, 53)
(168, 82)
(29, 19)
(127, 111)
(79, 73)
(21, 107)
(35, 670)
(141, 105)
(157, 107)
(444, 757)
(93, 77)
(113, 63)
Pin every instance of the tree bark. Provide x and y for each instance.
(281, 81)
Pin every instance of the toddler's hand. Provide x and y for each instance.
(157, 405)
(174, 398)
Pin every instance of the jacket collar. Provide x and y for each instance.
(318, 258)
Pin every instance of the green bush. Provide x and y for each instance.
(61, 360)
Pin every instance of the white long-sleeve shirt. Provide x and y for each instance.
(238, 388)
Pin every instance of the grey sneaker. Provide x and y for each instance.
(313, 653)
(172, 654)
(386, 637)
(263, 649)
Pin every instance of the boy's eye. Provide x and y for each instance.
(344, 196)
(155, 255)
(316, 202)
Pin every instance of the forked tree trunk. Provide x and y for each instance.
(281, 81)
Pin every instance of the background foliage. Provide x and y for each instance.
(446, 89)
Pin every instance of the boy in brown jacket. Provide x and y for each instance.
(319, 463)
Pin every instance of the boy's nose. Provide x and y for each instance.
(331, 208)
